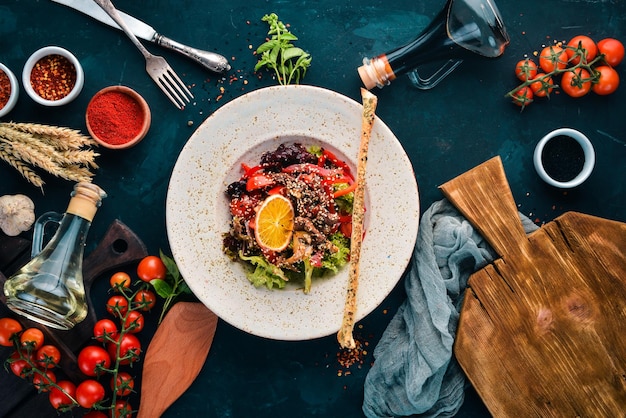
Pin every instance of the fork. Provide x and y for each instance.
(156, 66)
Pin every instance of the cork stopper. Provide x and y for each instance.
(376, 72)
(86, 199)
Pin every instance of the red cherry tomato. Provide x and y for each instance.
(8, 328)
(580, 46)
(552, 58)
(576, 83)
(61, 398)
(121, 409)
(125, 384)
(19, 366)
(144, 300)
(48, 356)
(42, 381)
(117, 305)
(613, 51)
(89, 392)
(523, 96)
(608, 80)
(543, 86)
(120, 279)
(151, 268)
(134, 322)
(32, 337)
(130, 349)
(91, 357)
(526, 69)
(105, 330)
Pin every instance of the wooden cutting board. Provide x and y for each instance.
(542, 331)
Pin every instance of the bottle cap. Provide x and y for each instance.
(86, 199)
(376, 72)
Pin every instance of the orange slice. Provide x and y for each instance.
(274, 223)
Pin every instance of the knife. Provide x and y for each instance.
(209, 60)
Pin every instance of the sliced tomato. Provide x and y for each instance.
(259, 181)
(243, 206)
(337, 162)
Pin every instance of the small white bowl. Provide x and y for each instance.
(15, 91)
(44, 52)
(588, 151)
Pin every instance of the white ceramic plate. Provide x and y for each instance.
(197, 209)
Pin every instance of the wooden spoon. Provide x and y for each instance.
(162, 380)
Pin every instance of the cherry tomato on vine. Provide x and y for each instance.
(581, 45)
(526, 69)
(89, 392)
(552, 58)
(145, 299)
(523, 96)
(48, 356)
(151, 268)
(18, 366)
(8, 328)
(543, 86)
(129, 347)
(125, 384)
(613, 51)
(91, 357)
(117, 305)
(105, 330)
(134, 322)
(608, 80)
(576, 83)
(32, 337)
(58, 398)
(41, 381)
(120, 279)
(121, 409)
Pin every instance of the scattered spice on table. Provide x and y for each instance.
(115, 117)
(53, 77)
(563, 158)
(5, 89)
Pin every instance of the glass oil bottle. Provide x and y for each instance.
(49, 289)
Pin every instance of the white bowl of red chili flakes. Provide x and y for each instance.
(53, 76)
(9, 90)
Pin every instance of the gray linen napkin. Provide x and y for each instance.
(414, 371)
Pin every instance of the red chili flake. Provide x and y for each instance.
(53, 77)
(115, 117)
(5, 89)
(348, 357)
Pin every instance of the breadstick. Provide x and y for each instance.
(344, 336)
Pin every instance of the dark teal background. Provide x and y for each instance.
(446, 131)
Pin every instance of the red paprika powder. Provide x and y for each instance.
(115, 117)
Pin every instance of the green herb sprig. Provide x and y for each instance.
(173, 286)
(289, 62)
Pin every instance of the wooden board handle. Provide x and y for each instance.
(484, 197)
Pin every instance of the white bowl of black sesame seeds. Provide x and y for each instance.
(564, 158)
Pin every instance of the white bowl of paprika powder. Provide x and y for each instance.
(53, 76)
(118, 117)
